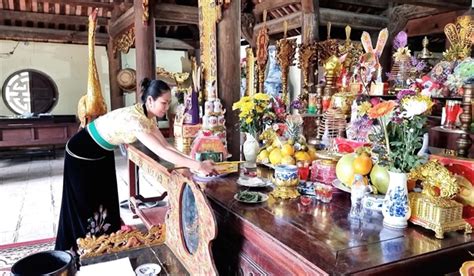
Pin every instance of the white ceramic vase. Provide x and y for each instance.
(251, 148)
(396, 208)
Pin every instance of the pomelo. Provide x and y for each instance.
(380, 178)
(345, 170)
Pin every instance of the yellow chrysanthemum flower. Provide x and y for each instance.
(261, 97)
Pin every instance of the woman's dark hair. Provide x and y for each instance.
(153, 88)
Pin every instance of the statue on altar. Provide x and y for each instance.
(273, 83)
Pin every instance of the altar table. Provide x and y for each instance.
(283, 237)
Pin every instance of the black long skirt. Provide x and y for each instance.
(90, 197)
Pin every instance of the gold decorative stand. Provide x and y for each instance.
(440, 215)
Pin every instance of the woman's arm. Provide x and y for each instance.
(163, 151)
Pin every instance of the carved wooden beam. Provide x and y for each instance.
(360, 21)
(336, 17)
(431, 24)
(380, 4)
(457, 4)
(122, 23)
(176, 13)
(173, 44)
(49, 35)
(163, 13)
(275, 26)
(247, 24)
(49, 18)
(86, 3)
(272, 5)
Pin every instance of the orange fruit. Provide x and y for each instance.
(287, 150)
(302, 156)
(362, 164)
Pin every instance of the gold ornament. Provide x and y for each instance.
(92, 246)
(262, 52)
(92, 104)
(124, 41)
(328, 47)
(352, 49)
(460, 36)
(437, 181)
(250, 77)
(440, 215)
(146, 14)
(286, 49)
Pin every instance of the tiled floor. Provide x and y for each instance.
(30, 196)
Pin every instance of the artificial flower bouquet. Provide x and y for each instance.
(252, 109)
(402, 122)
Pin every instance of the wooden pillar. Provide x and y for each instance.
(115, 64)
(144, 43)
(310, 21)
(228, 66)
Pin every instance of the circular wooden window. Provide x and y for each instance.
(29, 91)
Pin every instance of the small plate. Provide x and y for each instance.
(200, 177)
(338, 184)
(150, 269)
(253, 182)
(263, 198)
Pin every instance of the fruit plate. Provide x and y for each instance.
(338, 184)
(261, 197)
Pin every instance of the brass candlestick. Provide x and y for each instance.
(464, 141)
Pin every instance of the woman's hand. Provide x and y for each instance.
(207, 167)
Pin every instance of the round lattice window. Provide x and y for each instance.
(29, 91)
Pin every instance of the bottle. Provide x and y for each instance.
(357, 193)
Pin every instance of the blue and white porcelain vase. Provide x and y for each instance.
(396, 208)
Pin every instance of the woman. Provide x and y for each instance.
(90, 198)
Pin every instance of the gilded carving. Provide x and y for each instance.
(286, 49)
(262, 52)
(250, 77)
(121, 240)
(460, 36)
(307, 58)
(124, 42)
(146, 13)
(209, 14)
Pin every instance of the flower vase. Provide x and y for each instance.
(250, 149)
(396, 209)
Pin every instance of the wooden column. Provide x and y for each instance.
(310, 21)
(228, 66)
(115, 64)
(144, 43)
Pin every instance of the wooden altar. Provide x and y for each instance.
(286, 238)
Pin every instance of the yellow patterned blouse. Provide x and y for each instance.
(120, 126)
